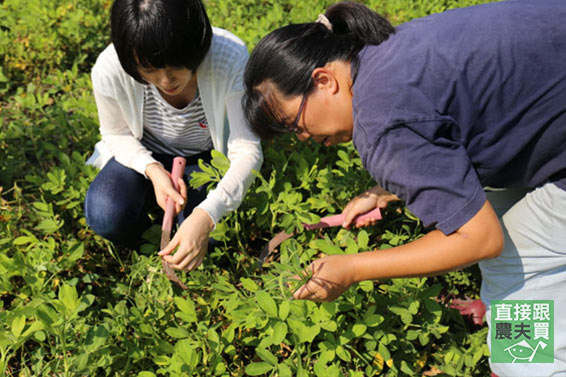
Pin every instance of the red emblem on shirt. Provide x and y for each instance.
(202, 125)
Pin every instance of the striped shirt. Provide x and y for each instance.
(172, 131)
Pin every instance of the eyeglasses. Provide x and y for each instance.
(295, 125)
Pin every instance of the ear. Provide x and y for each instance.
(325, 79)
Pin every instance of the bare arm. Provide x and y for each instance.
(480, 238)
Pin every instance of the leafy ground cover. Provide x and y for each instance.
(71, 304)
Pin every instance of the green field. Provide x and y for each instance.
(72, 304)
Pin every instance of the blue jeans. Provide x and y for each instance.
(119, 199)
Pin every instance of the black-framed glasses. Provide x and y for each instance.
(295, 125)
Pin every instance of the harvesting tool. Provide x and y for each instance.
(326, 222)
(176, 172)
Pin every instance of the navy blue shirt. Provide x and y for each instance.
(468, 98)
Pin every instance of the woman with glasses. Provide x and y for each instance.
(439, 109)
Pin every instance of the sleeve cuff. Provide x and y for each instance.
(141, 162)
(214, 207)
(469, 210)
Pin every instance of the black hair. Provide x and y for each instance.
(287, 56)
(159, 33)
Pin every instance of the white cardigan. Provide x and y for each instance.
(119, 99)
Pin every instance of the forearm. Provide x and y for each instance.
(230, 191)
(430, 255)
(435, 253)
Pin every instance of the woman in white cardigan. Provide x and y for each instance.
(168, 85)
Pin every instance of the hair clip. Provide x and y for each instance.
(322, 19)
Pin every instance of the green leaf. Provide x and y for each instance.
(279, 333)
(49, 226)
(187, 308)
(343, 354)
(366, 286)
(69, 297)
(373, 320)
(3, 77)
(343, 156)
(41, 206)
(161, 360)
(359, 329)
(18, 325)
(405, 368)
(75, 252)
(35, 326)
(296, 326)
(96, 338)
(327, 247)
(304, 333)
(333, 371)
(329, 326)
(219, 161)
(249, 285)
(187, 352)
(267, 356)
(266, 303)
(284, 371)
(39, 336)
(327, 356)
(284, 309)
(382, 349)
(363, 239)
(213, 336)
(301, 372)
(477, 356)
(23, 240)
(320, 369)
(6, 340)
(412, 335)
(176, 332)
(311, 332)
(414, 307)
(146, 374)
(47, 315)
(257, 369)
(81, 361)
(434, 308)
(406, 316)
(448, 357)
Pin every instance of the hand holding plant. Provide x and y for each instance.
(163, 187)
(191, 242)
(376, 197)
(330, 277)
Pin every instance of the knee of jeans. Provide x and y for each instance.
(105, 219)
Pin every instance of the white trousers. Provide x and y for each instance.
(532, 266)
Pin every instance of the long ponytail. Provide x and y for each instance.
(287, 56)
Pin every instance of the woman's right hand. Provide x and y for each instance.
(365, 202)
(163, 187)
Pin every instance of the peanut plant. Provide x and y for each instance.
(73, 304)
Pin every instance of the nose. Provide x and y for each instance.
(165, 78)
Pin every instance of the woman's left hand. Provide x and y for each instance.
(191, 242)
(331, 276)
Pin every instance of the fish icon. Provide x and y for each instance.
(524, 351)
